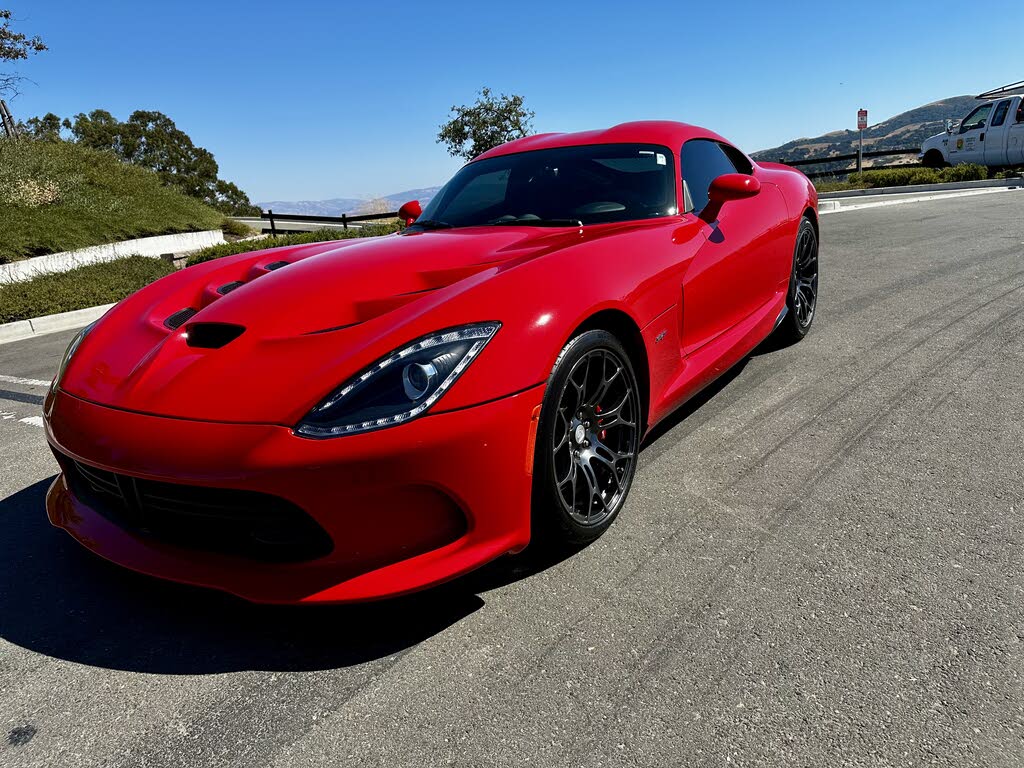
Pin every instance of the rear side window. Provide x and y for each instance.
(1020, 111)
(999, 117)
(702, 161)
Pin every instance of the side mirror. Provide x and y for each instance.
(410, 211)
(949, 125)
(727, 187)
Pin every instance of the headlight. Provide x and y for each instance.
(399, 387)
(69, 353)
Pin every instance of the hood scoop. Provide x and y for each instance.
(179, 318)
(212, 335)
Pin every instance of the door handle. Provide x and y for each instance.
(982, 136)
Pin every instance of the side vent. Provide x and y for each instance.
(276, 265)
(179, 318)
(227, 288)
(212, 335)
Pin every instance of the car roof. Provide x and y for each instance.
(665, 132)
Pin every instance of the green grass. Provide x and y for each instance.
(78, 288)
(902, 177)
(59, 196)
(319, 236)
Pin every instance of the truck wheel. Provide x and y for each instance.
(933, 159)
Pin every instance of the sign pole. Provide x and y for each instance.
(862, 123)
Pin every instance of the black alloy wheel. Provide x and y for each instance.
(588, 440)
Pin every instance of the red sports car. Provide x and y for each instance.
(351, 420)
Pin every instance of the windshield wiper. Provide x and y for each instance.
(431, 224)
(536, 222)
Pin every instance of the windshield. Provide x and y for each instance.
(559, 187)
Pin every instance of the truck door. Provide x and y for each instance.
(1015, 134)
(967, 145)
(994, 144)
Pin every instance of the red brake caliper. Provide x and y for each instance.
(604, 433)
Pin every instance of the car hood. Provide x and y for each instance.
(307, 318)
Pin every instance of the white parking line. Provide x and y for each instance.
(23, 382)
(35, 421)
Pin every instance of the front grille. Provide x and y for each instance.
(243, 523)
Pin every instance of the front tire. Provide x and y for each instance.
(588, 440)
(934, 159)
(802, 298)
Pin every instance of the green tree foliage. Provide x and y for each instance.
(45, 128)
(152, 140)
(14, 46)
(492, 120)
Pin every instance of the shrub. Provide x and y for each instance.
(901, 177)
(319, 236)
(1009, 173)
(967, 172)
(232, 228)
(56, 196)
(78, 288)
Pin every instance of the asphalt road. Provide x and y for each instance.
(820, 564)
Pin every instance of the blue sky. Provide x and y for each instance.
(311, 100)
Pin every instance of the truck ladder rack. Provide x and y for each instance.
(1007, 90)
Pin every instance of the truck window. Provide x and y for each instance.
(999, 116)
(1020, 111)
(976, 119)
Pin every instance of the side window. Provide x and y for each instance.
(1020, 111)
(976, 119)
(702, 162)
(738, 159)
(999, 116)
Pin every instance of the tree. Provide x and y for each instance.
(491, 121)
(45, 128)
(152, 140)
(14, 46)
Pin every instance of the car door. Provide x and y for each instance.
(994, 145)
(732, 273)
(1015, 134)
(966, 146)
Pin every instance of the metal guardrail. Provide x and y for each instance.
(853, 157)
(345, 220)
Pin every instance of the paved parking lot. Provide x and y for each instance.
(820, 564)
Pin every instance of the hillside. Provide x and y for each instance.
(57, 196)
(339, 205)
(903, 131)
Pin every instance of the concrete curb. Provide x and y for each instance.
(39, 326)
(909, 190)
(856, 204)
(184, 242)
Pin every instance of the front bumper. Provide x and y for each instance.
(386, 499)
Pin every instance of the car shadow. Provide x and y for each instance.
(62, 601)
(59, 600)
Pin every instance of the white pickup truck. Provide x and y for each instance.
(992, 135)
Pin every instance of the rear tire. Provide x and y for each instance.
(802, 297)
(587, 441)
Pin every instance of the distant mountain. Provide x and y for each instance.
(339, 205)
(904, 131)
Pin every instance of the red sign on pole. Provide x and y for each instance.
(862, 119)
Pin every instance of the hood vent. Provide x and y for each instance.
(276, 265)
(182, 316)
(227, 288)
(212, 335)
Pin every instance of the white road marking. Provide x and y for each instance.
(7, 415)
(23, 382)
(35, 421)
